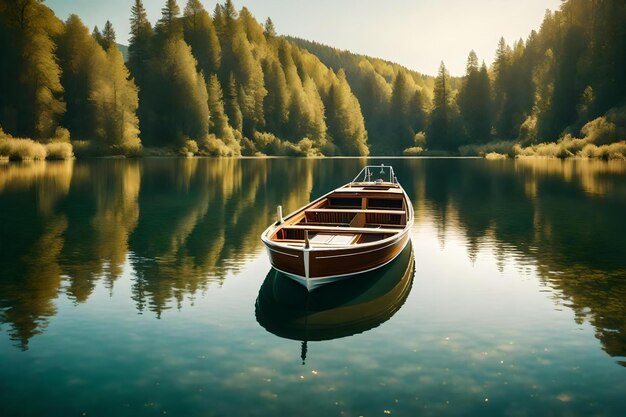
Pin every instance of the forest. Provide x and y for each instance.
(222, 84)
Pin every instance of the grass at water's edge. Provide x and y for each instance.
(20, 149)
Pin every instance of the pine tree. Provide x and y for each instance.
(181, 99)
(374, 94)
(269, 29)
(442, 131)
(276, 102)
(231, 104)
(116, 101)
(97, 35)
(199, 33)
(501, 67)
(254, 32)
(219, 121)
(417, 112)
(140, 52)
(168, 26)
(108, 36)
(314, 126)
(249, 75)
(140, 45)
(475, 102)
(83, 62)
(400, 132)
(345, 120)
(567, 88)
(31, 92)
(101, 100)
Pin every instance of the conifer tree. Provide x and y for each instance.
(400, 132)
(314, 126)
(501, 67)
(31, 92)
(254, 32)
(219, 124)
(83, 62)
(181, 99)
(140, 52)
(101, 100)
(276, 102)
(231, 104)
(474, 101)
(345, 121)
(199, 33)
(108, 35)
(249, 75)
(567, 89)
(97, 35)
(417, 112)
(116, 101)
(441, 131)
(140, 39)
(169, 25)
(269, 29)
(374, 94)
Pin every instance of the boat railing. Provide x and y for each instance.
(368, 172)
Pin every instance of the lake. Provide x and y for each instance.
(141, 288)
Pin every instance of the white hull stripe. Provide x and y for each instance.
(283, 253)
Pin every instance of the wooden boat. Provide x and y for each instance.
(356, 228)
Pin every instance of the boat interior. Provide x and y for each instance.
(359, 212)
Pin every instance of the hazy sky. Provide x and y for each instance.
(416, 33)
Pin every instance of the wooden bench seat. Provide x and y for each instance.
(332, 210)
(342, 229)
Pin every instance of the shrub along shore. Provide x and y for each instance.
(20, 149)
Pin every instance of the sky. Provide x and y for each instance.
(418, 34)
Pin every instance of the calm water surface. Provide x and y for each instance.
(141, 288)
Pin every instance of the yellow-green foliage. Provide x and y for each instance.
(611, 151)
(21, 149)
(545, 150)
(600, 141)
(269, 144)
(189, 148)
(59, 150)
(61, 134)
(415, 150)
(211, 145)
(420, 139)
(496, 156)
(606, 129)
(501, 147)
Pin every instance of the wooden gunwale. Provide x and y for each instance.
(290, 220)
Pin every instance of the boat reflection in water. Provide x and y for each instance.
(344, 308)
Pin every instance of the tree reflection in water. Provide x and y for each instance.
(178, 226)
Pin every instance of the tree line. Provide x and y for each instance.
(566, 80)
(201, 83)
(223, 84)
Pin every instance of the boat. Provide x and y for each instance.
(343, 309)
(353, 229)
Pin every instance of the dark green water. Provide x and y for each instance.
(141, 288)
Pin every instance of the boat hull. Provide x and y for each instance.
(348, 308)
(315, 267)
